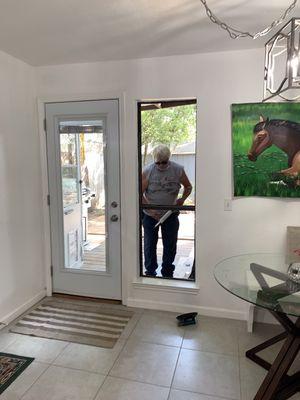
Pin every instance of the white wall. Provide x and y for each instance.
(217, 80)
(21, 265)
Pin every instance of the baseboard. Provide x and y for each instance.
(23, 308)
(181, 308)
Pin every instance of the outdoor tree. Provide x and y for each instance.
(170, 126)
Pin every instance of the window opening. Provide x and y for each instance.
(167, 137)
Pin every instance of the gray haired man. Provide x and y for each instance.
(161, 182)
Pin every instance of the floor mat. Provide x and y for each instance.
(11, 366)
(80, 323)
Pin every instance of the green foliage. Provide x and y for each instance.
(261, 178)
(170, 126)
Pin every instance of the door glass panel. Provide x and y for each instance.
(82, 153)
(69, 169)
(93, 201)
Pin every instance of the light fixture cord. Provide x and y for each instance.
(235, 33)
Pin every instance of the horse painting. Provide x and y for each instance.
(281, 133)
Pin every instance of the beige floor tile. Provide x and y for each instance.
(59, 383)
(296, 365)
(183, 395)
(89, 358)
(17, 389)
(251, 376)
(213, 335)
(260, 334)
(208, 373)
(143, 367)
(43, 350)
(271, 353)
(159, 328)
(122, 389)
(169, 314)
(7, 339)
(130, 326)
(146, 362)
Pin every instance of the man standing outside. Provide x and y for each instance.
(161, 182)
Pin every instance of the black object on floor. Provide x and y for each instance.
(187, 319)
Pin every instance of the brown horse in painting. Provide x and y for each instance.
(281, 133)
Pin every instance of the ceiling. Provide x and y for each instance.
(48, 32)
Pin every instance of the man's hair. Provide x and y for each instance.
(161, 152)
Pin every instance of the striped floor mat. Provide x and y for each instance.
(63, 320)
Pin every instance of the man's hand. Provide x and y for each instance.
(179, 202)
(184, 180)
(154, 214)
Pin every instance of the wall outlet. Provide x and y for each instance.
(227, 205)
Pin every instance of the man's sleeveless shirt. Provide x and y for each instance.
(163, 185)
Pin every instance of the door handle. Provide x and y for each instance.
(114, 218)
(68, 211)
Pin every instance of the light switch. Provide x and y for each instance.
(227, 205)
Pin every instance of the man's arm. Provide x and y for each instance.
(154, 214)
(144, 187)
(184, 180)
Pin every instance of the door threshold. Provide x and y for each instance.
(85, 298)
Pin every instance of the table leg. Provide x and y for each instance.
(290, 387)
(277, 385)
(279, 369)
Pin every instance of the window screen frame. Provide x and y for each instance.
(151, 105)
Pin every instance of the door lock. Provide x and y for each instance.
(114, 204)
(114, 218)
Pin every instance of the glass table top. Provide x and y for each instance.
(260, 279)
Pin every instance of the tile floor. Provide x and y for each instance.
(153, 360)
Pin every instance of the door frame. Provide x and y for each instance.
(41, 101)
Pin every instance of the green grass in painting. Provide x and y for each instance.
(260, 178)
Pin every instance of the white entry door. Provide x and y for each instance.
(83, 170)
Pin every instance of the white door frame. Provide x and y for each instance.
(41, 101)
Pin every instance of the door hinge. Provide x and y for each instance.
(48, 199)
(51, 270)
(45, 125)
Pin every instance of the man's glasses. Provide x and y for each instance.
(161, 162)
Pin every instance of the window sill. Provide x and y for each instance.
(166, 285)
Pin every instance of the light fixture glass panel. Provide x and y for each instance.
(282, 63)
